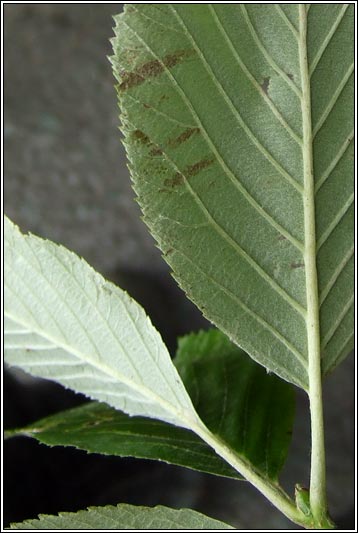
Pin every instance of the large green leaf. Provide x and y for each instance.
(238, 401)
(64, 322)
(238, 123)
(125, 516)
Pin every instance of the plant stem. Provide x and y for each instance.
(318, 502)
(273, 492)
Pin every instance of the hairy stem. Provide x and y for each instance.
(318, 502)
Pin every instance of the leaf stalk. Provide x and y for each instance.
(318, 503)
(271, 490)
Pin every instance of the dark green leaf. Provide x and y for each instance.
(98, 428)
(237, 399)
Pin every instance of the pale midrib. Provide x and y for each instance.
(40, 333)
(99, 313)
(317, 478)
(25, 241)
(107, 370)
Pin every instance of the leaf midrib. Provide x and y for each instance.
(105, 369)
(310, 243)
(116, 339)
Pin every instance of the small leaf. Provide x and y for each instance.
(125, 516)
(238, 123)
(64, 322)
(249, 409)
(98, 428)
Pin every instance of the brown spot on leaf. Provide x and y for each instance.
(192, 170)
(141, 136)
(177, 180)
(281, 238)
(188, 172)
(265, 85)
(153, 68)
(289, 75)
(174, 143)
(156, 151)
(297, 265)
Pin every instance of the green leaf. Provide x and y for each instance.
(241, 155)
(97, 428)
(249, 409)
(64, 322)
(125, 516)
(239, 402)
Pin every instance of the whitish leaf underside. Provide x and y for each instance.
(64, 322)
(212, 112)
(125, 516)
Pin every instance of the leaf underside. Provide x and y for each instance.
(64, 322)
(125, 516)
(239, 402)
(211, 99)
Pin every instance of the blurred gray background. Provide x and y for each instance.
(65, 178)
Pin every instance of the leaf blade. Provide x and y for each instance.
(65, 322)
(98, 428)
(225, 204)
(125, 516)
(251, 411)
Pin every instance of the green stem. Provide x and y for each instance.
(271, 490)
(318, 502)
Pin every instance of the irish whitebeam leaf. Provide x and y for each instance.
(125, 516)
(64, 322)
(238, 123)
